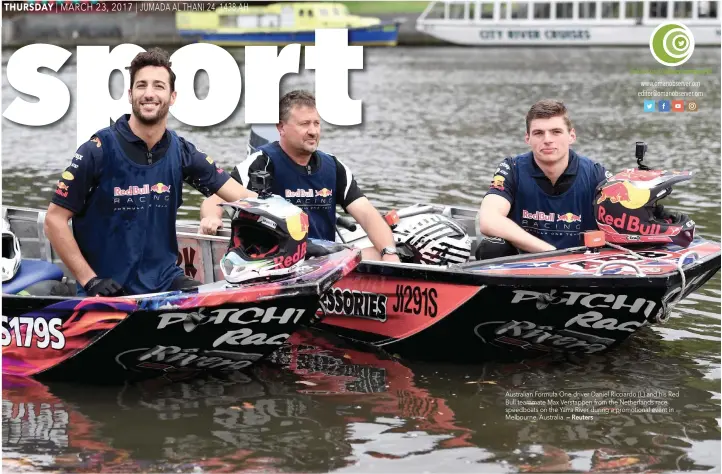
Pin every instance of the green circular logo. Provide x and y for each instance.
(671, 44)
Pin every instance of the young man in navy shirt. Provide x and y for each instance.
(123, 188)
(541, 200)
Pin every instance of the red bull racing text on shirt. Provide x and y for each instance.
(567, 222)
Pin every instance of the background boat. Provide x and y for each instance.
(587, 23)
(282, 24)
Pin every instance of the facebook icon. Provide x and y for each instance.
(663, 106)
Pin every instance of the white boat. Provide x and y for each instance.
(559, 23)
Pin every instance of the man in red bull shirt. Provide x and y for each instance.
(541, 200)
(308, 178)
(123, 190)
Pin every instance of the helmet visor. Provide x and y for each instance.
(8, 246)
(253, 242)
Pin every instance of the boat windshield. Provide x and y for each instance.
(436, 12)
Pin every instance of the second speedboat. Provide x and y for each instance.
(441, 304)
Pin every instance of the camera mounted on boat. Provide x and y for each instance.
(639, 151)
(260, 181)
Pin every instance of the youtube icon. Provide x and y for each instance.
(677, 106)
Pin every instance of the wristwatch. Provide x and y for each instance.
(389, 251)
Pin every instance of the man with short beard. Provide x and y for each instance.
(123, 188)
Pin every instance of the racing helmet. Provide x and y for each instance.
(627, 208)
(11, 252)
(433, 239)
(268, 239)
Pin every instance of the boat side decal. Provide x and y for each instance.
(245, 336)
(38, 332)
(585, 300)
(595, 320)
(171, 358)
(361, 304)
(572, 321)
(542, 338)
(232, 315)
(397, 308)
(72, 326)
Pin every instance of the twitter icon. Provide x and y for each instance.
(664, 106)
(649, 106)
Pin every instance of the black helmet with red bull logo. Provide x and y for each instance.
(268, 239)
(626, 208)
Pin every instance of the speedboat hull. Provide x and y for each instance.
(513, 307)
(215, 327)
(574, 300)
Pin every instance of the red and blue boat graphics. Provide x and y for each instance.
(217, 327)
(575, 300)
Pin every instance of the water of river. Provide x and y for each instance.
(436, 123)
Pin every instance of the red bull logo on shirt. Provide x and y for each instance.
(126, 197)
(569, 217)
(131, 190)
(299, 193)
(550, 222)
(62, 189)
(498, 182)
(538, 216)
(160, 188)
(624, 193)
(310, 199)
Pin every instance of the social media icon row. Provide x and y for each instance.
(670, 106)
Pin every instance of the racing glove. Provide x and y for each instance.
(103, 287)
